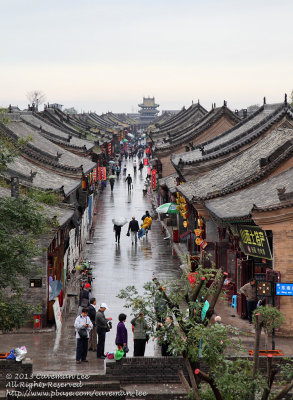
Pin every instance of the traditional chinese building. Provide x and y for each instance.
(148, 111)
(187, 135)
(240, 184)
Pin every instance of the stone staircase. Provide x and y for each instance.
(143, 378)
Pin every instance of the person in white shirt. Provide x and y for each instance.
(82, 321)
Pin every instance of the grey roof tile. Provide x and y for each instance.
(264, 194)
(240, 169)
(236, 136)
(42, 179)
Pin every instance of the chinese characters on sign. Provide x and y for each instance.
(264, 288)
(284, 289)
(154, 179)
(254, 242)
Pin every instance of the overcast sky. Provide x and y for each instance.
(105, 55)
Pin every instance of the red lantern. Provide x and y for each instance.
(192, 278)
(154, 179)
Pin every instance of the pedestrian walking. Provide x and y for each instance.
(118, 171)
(112, 181)
(249, 291)
(93, 332)
(124, 170)
(140, 167)
(139, 334)
(133, 228)
(82, 326)
(102, 328)
(129, 182)
(134, 166)
(84, 298)
(121, 334)
(167, 338)
(117, 230)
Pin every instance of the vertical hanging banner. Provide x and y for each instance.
(95, 174)
(103, 149)
(154, 179)
(109, 148)
(102, 174)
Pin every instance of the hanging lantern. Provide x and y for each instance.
(200, 222)
(185, 224)
(198, 232)
(83, 182)
(198, 241)
(192, 278)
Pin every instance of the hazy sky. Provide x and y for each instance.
(105, 55)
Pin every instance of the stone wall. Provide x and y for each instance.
(146, 369)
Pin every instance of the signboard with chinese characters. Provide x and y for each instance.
(57, 314)
(264, 288)
(154, 179)
(284, 289)
(253, 242)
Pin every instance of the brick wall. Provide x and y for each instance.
(146, 369)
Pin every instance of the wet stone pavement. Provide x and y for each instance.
(115, 267)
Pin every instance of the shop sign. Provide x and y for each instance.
(154, 179)
(95, 174)
(284, 289)
(264, 288)
(253, 242)
(57, 314)
(109, 148)
(102, 173)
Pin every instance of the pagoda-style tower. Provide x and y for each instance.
(148, 110)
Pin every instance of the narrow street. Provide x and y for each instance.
(115, 267)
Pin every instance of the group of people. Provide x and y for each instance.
(94, 325)
(116, 169)
(134, 228)
(91, 327)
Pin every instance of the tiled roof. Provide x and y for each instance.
(192, 132)
(244, 169)
(49, 130)
(238, 136)
(63, 213)
(170, 182)
(35, 176)
(181, 120)
(47, 152)
(240, 204)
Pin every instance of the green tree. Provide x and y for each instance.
(22, 221)
(199, 341)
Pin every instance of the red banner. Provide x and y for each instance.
(145, 161)
(154, 179)
(95, 174)
(102, 174)
(109, 148)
